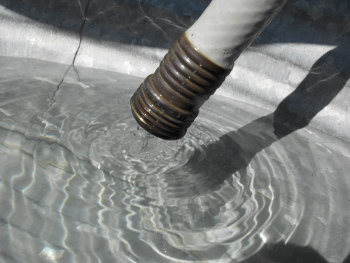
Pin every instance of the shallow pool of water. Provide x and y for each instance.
(81, 182)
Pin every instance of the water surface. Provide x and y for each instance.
(80, 182)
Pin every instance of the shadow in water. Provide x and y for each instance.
(347, 260)
(235, 150)
(285, 253)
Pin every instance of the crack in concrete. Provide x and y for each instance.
(73, 60)
(166, 36)
(40, 118)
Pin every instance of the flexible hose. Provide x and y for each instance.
(168, 101)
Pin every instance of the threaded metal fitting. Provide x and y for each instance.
(167, 102)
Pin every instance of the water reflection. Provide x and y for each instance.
(92, 187)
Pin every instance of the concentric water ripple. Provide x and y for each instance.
(96, 188)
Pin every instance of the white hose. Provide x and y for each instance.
(227, 27)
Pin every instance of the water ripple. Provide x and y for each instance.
(96, 188)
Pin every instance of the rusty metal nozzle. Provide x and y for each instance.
(168, 101)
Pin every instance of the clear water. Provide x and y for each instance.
(80, 182)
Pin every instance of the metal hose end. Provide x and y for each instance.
(168, 101)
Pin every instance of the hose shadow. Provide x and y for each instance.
(285, 253)
(347, 260)
(235, 150)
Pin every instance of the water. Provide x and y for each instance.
(80, 182)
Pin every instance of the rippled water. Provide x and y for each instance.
(80, 182)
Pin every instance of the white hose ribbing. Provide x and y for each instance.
(227, 27)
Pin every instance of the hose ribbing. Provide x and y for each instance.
(167, 102)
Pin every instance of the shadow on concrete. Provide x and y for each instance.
(158, 23)
(154, 23)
